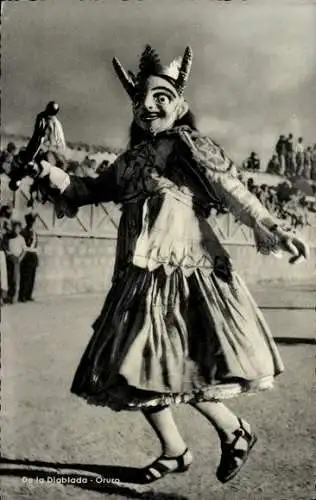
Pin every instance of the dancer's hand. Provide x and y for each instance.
(57, 177)
(293, 245)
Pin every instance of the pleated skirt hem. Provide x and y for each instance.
(125, 397)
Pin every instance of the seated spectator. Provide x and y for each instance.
(250, 185)
(257, 191)
(291, 208)
(253, 162)
(93, 168)
(262, 193)
(87, 168)
(284, 191)
(303, 212)
(274, 166)
(72, 167)
(299, 156)
(103, 166)
(272, 201)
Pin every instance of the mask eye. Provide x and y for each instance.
(162, 98)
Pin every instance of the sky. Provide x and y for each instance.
(253, 75)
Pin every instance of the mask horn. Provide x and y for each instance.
(185, 69)
(124, 77)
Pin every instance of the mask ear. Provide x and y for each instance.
(183, 108)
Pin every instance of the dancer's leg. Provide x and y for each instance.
(162, 422)
(222, 418)
(175, 455)
(235, 435)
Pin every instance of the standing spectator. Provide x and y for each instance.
(280, 149)
(274, 166)
(16, 248)
(313, 159)
(290, 144)
(5, 219)
(299, 156)
(289, 157)
(29, 262)
(6, 158)
(3, 272)
(307, 163)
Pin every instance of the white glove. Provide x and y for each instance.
(272, 239)
(57, 177)
(294, 245)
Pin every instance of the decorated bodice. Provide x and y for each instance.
(166, 187)
(164, 208)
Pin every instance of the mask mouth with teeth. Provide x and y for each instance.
(156, 91)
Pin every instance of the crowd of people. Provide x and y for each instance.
(18, 256)
(87, 167)
(285, 201)
(291, 158)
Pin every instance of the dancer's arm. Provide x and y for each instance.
(219, 175)
(80, 191)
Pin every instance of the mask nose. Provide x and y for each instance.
(149, 103)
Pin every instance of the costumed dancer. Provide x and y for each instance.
(48, 133)
(47, 141)
(178, 325)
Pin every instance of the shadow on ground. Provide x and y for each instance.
(103, 479)
(295, 340)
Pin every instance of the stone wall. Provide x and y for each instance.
(74, 265)
(84, 265)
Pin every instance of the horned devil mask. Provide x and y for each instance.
(156, 90)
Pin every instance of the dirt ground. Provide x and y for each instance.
(49, 435)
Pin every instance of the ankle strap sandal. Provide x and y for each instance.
(233, 458)
(167, 465)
